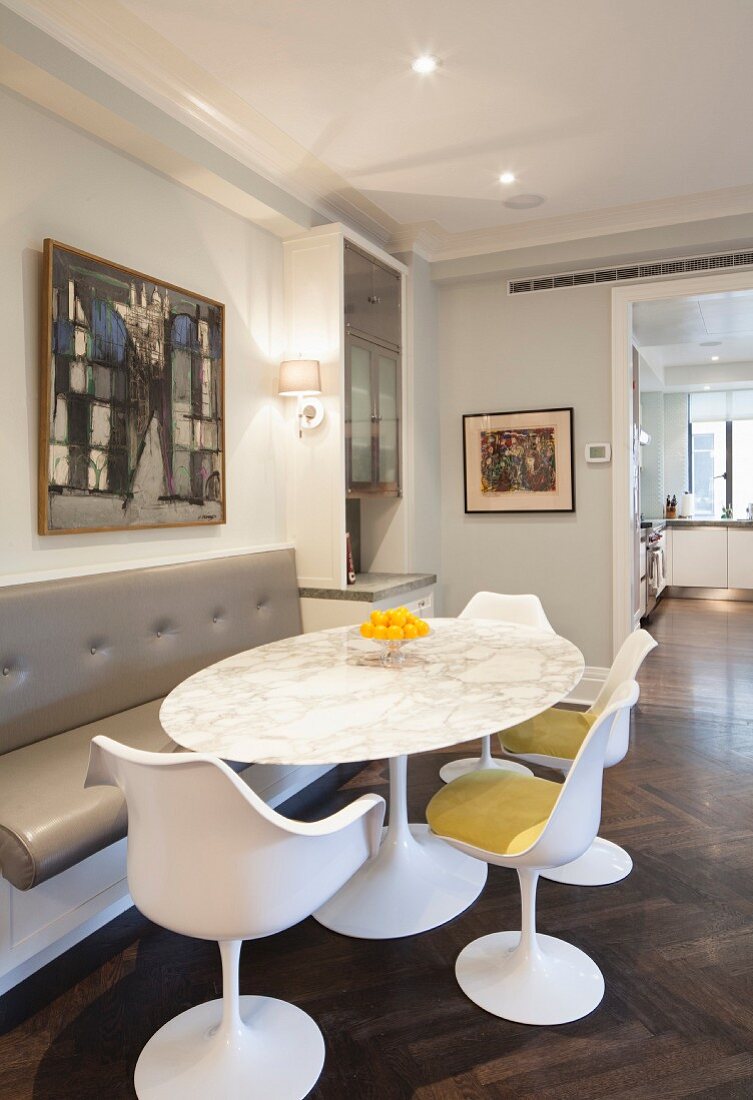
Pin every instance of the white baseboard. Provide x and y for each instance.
(589, 687)
(38, 925)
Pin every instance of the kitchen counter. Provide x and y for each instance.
(700, 523)
(372, 587)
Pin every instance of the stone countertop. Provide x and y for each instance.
(704, 522)
(325, 697)
(371, 587)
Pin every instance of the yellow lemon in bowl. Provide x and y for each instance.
(367, 629)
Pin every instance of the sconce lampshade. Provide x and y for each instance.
(299, 377)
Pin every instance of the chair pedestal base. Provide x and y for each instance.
(277, 1052)
(456, 768)
(600, 865)
(552, 983)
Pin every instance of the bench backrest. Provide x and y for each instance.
(76, 650)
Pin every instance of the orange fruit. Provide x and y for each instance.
(367, 630)
(399, 618)
(422, 628)
(380, 632)
(410, 630)
(378, 618)
(395, 633)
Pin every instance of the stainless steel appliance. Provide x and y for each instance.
(656, 567)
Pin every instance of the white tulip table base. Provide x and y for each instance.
(271, 1050)
(415, 881)
(547, 982)
(603, 864)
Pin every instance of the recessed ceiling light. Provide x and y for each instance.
(714, 358)
(507, 177)
(524, 202)
(424, 64)
(707, 387)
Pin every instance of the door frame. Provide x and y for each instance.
(623, 299)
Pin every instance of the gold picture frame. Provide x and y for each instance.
(132, 399)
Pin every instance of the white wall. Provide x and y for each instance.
(540, 350)
(56, 182)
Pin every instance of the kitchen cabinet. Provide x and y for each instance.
(372, 299)
(699, 558)
(372, 418)
(740, 558)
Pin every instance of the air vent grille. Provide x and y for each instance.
(634, 271)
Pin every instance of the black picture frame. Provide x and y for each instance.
(567, 420)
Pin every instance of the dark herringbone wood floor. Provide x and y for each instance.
(675, 940)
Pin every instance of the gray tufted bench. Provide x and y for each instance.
(97, 654)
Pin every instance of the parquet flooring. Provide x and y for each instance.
(674, 940)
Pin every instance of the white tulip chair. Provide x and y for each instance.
(524, 610)
(530, 824)
(552, 739)
(208, 858)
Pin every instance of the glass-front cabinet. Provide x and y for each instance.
(372, 418)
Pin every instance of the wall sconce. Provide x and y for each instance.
(300, 378)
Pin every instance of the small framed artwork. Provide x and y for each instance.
(131, 420)
(519, 461)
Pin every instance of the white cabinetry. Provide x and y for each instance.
(740, 558)
(314, 287)
(699, 557)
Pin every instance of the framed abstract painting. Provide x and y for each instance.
(131, 399)
(519, 461)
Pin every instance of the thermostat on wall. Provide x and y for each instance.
(598, 452)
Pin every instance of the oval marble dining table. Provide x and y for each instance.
(325, 697)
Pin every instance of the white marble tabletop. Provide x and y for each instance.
(324, 698)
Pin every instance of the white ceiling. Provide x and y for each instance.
(592, 103)
(678, 337)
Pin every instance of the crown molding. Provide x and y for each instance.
(108, 36)
(426, 239)
(702, 206)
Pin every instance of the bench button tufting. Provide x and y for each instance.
(214, 618)
(159, 633)
(94, 650)
(6, 671)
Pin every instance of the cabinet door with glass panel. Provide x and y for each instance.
(372, 419)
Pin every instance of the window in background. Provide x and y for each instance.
(720, 439)
(709, 459)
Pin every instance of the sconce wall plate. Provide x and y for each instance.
(310, 412)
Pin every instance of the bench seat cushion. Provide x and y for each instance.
(48, 820)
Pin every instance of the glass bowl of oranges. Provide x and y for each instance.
(392, 630)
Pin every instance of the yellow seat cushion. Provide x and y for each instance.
(501, 812)
(558, 733)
